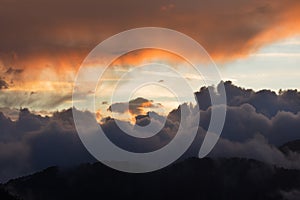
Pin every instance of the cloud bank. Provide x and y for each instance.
(252, 129)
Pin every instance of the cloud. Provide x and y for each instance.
(139, 145)
(266, 102)
(40, 50)
(256, 148)
(13, 71)
(34, 142)
(10, 113)
(35, 40)
(42, 100)
(3, 84)
(135, 107)
(137, 57)
(9, 74)
(215, 23)
(272, 115)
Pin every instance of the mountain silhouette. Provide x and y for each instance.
(232, 178)
(5, 195)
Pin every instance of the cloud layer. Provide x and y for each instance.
(55, 36)
(33, 142)
(225, 28)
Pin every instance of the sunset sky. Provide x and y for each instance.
(190, 79)
(255, 44)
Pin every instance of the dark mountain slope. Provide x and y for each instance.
(5, 195)
(192, 179)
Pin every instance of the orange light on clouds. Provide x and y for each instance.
(139, 57)
(49, 48)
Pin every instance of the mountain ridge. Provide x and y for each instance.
(231, 178)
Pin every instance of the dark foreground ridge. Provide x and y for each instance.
(194, 178)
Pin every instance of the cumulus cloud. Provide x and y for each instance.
(135, 107)
(33, 142)
(243, 122)
(256, 148)
(266, 102)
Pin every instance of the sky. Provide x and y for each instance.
(255, 44)
(275, 66)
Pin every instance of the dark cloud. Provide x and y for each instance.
(275, 116)
(13, 71)
(266, 102)
(3, 84)
(135, 106)
(257, 148)
(134, 144)
(34, 142)
(9, 75)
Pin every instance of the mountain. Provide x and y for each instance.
(207, 178)
(5, 195)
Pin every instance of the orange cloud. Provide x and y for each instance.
(49, 39)
(227, 29)
(98, 115)
(138, 57)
